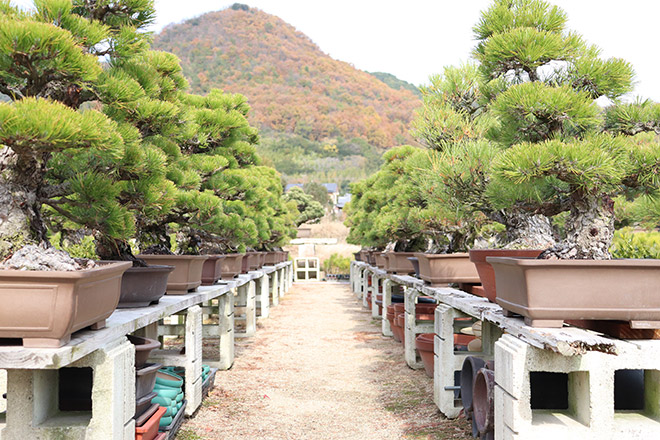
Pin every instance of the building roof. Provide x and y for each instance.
(331, 187)
(343, 200)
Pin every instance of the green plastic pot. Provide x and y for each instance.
(168, 379)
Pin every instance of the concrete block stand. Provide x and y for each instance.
(245, 309)
(414, 328)
(32, 400)
(590, 387)
(191, 360)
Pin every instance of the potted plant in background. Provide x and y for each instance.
(563, 156)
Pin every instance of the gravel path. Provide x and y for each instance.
(319, 368)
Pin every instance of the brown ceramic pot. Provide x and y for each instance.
(45, 307)
(424, 345)
(141, 286)
(398, 263)
(547, 292)
(380, 259)
(250, 261)
(231, 265)
(143, 348)
(272, 258)
(212, 270)
(187, 274)
(439, 269)
(485, 270)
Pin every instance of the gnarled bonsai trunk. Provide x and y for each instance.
(526, 231)
(116, 250)
(20, 210)
(589, 231)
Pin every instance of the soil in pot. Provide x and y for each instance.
(212, 270)
(485, 270)
(424, 345)
(142, 286)
(440, 269)
(547, 292)
(187, 273)
(231, 266)
(43, 308)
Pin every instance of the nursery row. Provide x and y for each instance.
(512, 380)
(100, 385)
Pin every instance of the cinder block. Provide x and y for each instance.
(3, 389)
(274, 287)
(32, 399)
(387, 300)
(590, 413)
(413, 328)
(263, 297)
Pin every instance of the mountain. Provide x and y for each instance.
(297, 93)
(396, 83)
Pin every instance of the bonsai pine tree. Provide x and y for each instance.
(47, 71)
(453, 122)
(310, 211)
(557, 157)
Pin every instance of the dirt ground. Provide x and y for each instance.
(319, 368)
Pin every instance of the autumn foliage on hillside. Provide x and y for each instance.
(292, 86)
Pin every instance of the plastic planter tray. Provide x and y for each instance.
(145, 379)
(143, 347)
(139, 421)
(207, 385)
(142, 405)
(149, 430)
(173, 427)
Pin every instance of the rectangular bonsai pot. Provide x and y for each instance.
(187, 273)
(231, 265)
(141, 286)
(398, 263)
(272, 258)
(212, 270)
(380, 259)
(547, 292)
(447, 268)
(45, 307)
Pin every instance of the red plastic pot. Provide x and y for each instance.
(424, 345)
(485, 270)
(149, 430)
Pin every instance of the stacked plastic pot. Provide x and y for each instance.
(169, 395)
(148, 414)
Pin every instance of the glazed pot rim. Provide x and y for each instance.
(615, 263)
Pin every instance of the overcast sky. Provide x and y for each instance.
(416, 38)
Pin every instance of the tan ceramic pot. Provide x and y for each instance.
(187, 273)
(485, 270)
(398, 263)
(440, 269)
(44, 307)
(231, 265)
(212, 269)
(547, 292)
